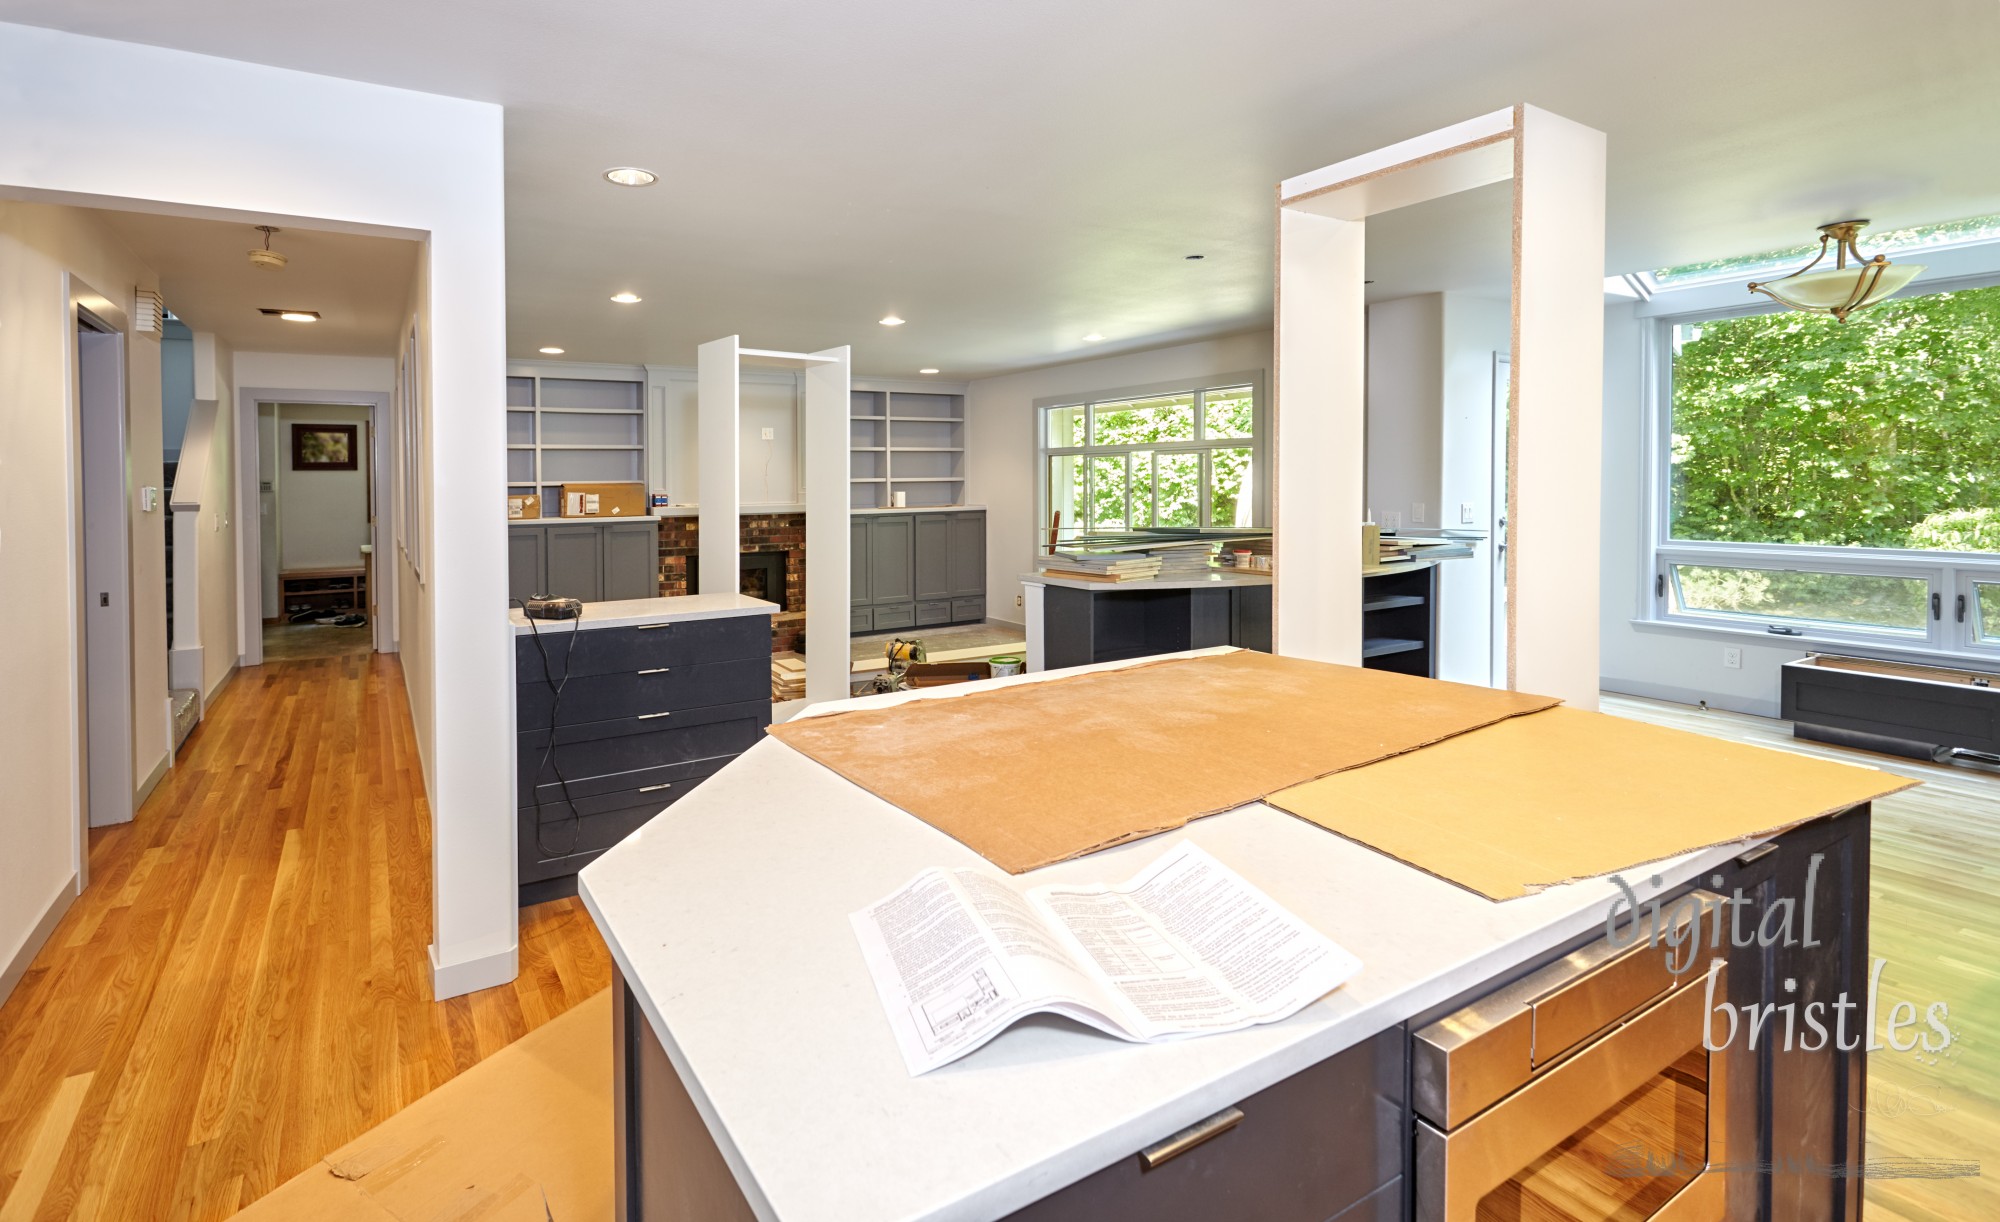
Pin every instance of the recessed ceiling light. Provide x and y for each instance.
(631, 176)
(1093, 338)
(290, 315)
(892, 321)
(626, 298)
(926, 371)
(550, 351)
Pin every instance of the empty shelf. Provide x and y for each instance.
(1393, 601)
(1377, 646)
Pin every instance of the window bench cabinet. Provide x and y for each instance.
(620, 714)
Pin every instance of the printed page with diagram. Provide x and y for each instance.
(1184, 948)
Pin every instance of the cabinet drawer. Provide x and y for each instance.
(628, 744)
(587, 698)
(652, 793)
(967, 608)
(936, 612)
(861, 619)
(1305, 1149)
(606, 651)
(898, 615)
(592, 790)
(560, 845)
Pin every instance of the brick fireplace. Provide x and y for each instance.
(780, 535)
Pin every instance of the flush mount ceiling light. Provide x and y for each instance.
(290, 315)
(630, 176)
(265, 257)
(627, 298)
(926, 371)
(892, 321)
(550, 351)
(1093, 338)
(1841, 289)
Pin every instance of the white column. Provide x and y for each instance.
(827, 562)
(1554, 490)
(1317, 438)
(718, 468)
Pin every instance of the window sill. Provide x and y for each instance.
(1883, 650)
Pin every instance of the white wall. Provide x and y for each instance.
(39, 754)
(254, 143)
(1666, 663)
(1405, 409)
(1476, 330)
(322, 516)
(297, 371)
(1000, 443)
(214, 379)
(770, 472)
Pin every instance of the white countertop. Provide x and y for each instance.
(727, 914)
(1217, 578)
(628, 612)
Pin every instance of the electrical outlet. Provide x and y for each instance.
(770, 434)
(1019, 600)
(1392, 521)
(1732, 657)
(1464, 514)
(1416, 513)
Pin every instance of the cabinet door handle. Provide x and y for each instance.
(1961, 608)
(657, 670)
(650, 627)
(1180, 1143)
(650, 716)
(655, 788)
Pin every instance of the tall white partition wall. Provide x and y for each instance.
(718, 374)
(1318, 404)
(718, 478)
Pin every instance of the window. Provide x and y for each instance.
(1175, 456)
(1832, 480)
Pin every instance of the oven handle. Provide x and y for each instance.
(1455, 1170)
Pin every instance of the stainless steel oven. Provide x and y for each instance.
(1582, 1092)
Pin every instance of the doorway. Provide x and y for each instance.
(316, 527)
(105, 568)
(1503, 381)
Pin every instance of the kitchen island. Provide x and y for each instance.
(758, 1077)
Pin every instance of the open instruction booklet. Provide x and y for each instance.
(1187, 947)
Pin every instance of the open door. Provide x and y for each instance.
(106, 571)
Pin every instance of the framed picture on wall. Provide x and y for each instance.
(325, 447)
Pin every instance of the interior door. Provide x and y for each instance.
(107, 575)
(1502, 392)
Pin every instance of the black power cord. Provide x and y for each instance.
(548, 751)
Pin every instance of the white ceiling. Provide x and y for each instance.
(359, 285)
(1010, 177)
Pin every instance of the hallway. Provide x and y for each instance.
(244, 985)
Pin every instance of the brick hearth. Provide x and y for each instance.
(762, 532)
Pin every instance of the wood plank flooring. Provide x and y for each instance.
(1935, 918)
(244, 986)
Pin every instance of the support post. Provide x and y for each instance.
(828, 565)
(719, 470)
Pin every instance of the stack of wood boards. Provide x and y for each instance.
(788, 676)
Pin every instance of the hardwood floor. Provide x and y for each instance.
(1935, 919)
(244, 985)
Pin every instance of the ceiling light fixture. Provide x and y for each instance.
(290, 315)
(550, 351)
(892, 321)
(630, 176)
(627, 298)
(266, 258)
(1839, 290)
(926, 371)
(1093, 338)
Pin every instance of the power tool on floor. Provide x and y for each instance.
(900, 653)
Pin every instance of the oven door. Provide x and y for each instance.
(1583, 1093)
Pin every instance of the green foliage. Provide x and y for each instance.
(1883, 431)
(1167, 420)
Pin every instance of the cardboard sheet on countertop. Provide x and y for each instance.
(1567, 794)
(1035, 773)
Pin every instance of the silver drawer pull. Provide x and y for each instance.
(650, 716)
(1188, 1138)
(657, 670)
(655, 788)
(1757, 854)
(650, 627)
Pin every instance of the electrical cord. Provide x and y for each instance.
(549, 750)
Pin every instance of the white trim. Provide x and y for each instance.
(470, 975)
(23, 957)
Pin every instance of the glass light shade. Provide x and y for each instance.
(1823, 292)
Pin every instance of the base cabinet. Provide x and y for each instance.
(590, 561)
(917, 570)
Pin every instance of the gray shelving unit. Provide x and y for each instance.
(911, 442)
(573, 429)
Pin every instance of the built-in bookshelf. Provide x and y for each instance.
(573, 430)
(909, 442)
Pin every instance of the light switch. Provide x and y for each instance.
(1416, 513)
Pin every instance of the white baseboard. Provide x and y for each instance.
(208, 698)
(1689, 695)
(24, 955)
(471, 975)
(153, 779)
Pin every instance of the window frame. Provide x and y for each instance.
(1202, 444)
(1947, 574)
